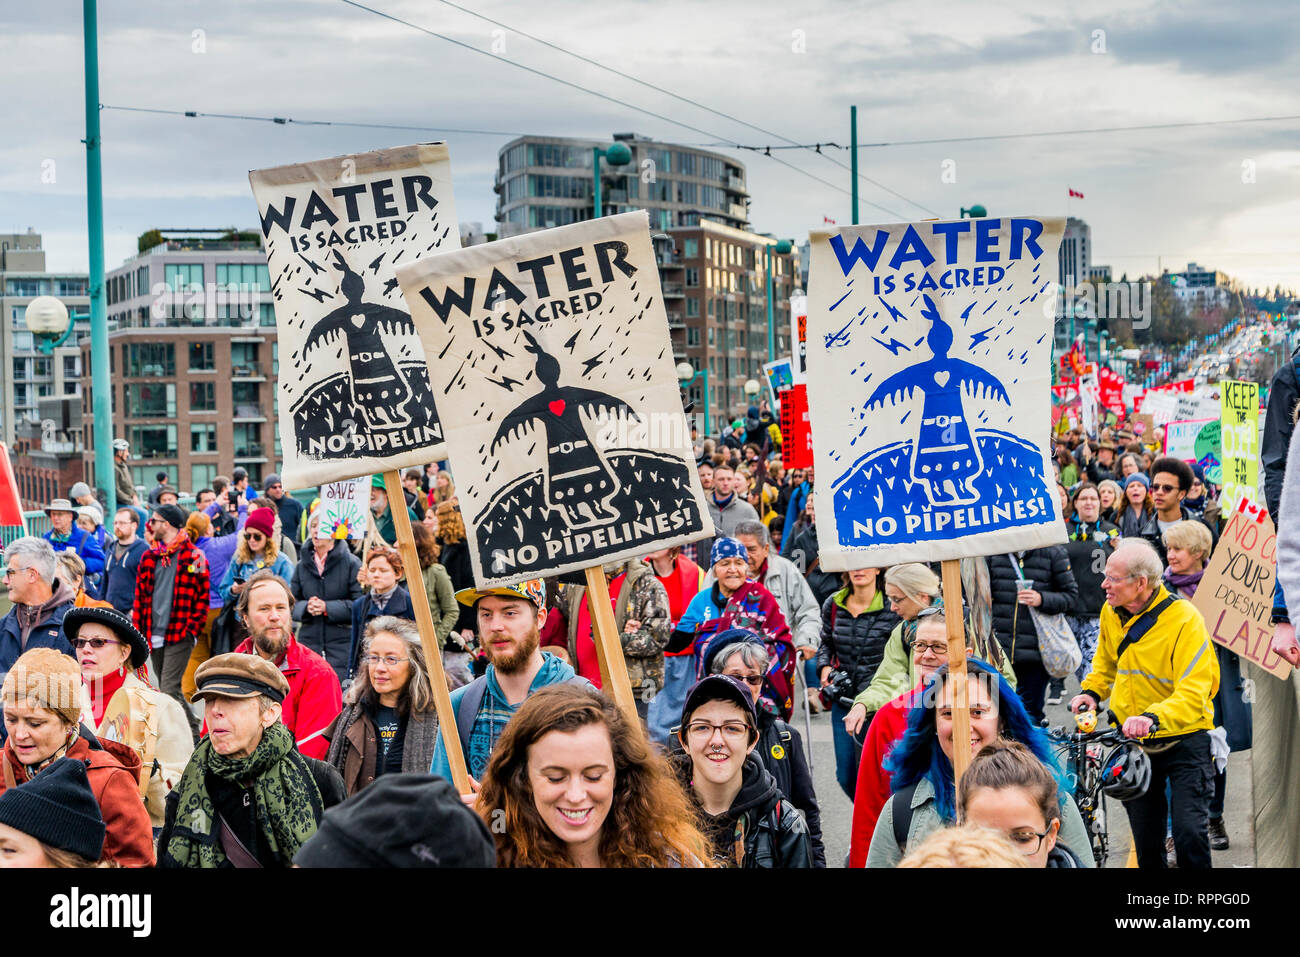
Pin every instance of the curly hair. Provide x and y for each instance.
(965, 847)
(390, 555)
(451, 527)
(244, 554)
(426, 546)
(650, 823)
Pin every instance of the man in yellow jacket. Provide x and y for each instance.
(1157, 665)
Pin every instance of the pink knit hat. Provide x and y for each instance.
(261, 520)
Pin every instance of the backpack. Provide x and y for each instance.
(902, 808)
(472, 700)
(130, 718)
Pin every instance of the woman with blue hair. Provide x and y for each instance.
(924, 797)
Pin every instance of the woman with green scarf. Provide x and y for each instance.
(247, 797)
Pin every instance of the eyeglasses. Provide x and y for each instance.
(754, 681)
(392, 661)
(96, 643)
(933, 647)
(276, 485)
(703, 730)
(11, 570)
(1164, 488)
(1027, 841)
(1117, 578)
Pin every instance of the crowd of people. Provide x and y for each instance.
(221, 687)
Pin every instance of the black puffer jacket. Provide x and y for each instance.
(1090, 545)
(774, 831)
(330, 634)
(1049, 568)
(856, 644)
(803, 552)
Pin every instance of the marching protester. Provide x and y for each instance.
(1008, 789)
(726, 508)
(247, 798)
(966, 846)
(258, 549)
(387, 596)
(32, 836)
(509, 620)
(415, 501)
(40, 602)
(381, 513)
(325, 588)
(1024, 583)
(388, 724)
(1103, 466)
(1161, 691)
(122, 561)
(73, 571)
(1187, 547)
(42, 699)
(453, 555)
(1171, 480)
(160, 479)
(682, 580)
(171, 601)
(1112, 498)
(443, 606)
(641, 617)
(574, 784)
(1136, 508)
(64, 534)
(924, 792)
(125, 708)
(929, 650)
(312, 698)
(780, 747)
(1092, 539)
(444, 489)
(856, 627)
(222, 629)
(287, 508)
(747, 820)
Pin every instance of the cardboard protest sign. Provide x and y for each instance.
(569, 443)
(354, 389)
(779, 376)
(1240, 435)
(796, 433)
(929, 375)
(1197, 441)
(799, 337)
(1236, 592)
(344, 508)
(1143, 426)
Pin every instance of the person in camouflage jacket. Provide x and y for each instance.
(643, 601)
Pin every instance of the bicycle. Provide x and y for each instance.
(1084, 751)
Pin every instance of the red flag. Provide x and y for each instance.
(827, 219)
(11, 509)
(796, 436)
(1075, 194)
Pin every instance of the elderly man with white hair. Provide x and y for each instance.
(40, 602)
(1156, 664)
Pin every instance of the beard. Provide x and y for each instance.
(515, 661)
(271, 645)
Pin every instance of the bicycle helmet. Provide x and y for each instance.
(1126, 772)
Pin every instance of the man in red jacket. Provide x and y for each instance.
(315, 697)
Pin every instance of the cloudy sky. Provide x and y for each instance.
(1225, 196)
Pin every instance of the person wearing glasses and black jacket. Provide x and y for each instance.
(1171, 480)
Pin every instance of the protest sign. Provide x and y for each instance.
(1197, 441)
(1144, 426)
(570, 446)
(1088, 402)
(1161, 406)
(779, 376)
(799, 338)
(1202, 404)
(1236, 592)
(11, 506)
(1240, 436)
(354, 390)
(928, 378)
(344, 508)
(796, 434)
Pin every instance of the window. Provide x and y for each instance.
(179, 277)
(692, 278)
(248, 441)
(247, 399)
(201, 476)
(203, 397)
(42, 367)
(23, 342)
(266, 314)
(691, 248)
(151, 400)
(686, 164)
(201, 358)
(275, 358)
(692, 336)
(153, 441)
(692, 306)
(248, 275)
(203, 438)
(150, 359)
(71, 367)
(70, 287)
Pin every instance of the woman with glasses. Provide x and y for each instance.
(125, 707)
(388, 724)
(1007, 789)
(258, 548)
(747, 820)
(856, 627)
(924, 792)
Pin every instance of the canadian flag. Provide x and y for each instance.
(1075, 194)
(827, 219)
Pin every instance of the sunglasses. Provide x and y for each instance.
(1164, 488)
(255, 536)
(96, 643)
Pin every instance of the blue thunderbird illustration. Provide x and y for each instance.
(945, 457)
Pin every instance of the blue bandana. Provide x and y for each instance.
(727, 548)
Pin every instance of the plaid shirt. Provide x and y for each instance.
(189, 592)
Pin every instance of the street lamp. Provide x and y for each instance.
(783, 248)
(48, 320)
(616, 155)
(686, 374)
(975, 212)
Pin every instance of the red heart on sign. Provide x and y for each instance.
(556, 407)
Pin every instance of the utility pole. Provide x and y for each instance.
(853, 157)
(100, 380)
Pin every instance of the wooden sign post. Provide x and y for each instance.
(428, 639)
(609, 647)
(956, 667)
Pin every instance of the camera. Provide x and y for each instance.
(839, 689)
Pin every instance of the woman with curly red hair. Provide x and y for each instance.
(573, 784)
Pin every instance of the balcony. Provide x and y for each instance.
(673, 290)
(739, 211)
(736, 184)
(675, 321)
(668, 261)
(249, 412)
(250, 450)
(247, 370)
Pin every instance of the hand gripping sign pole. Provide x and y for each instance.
(956, 667)
(428, 639)
(609, 649)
